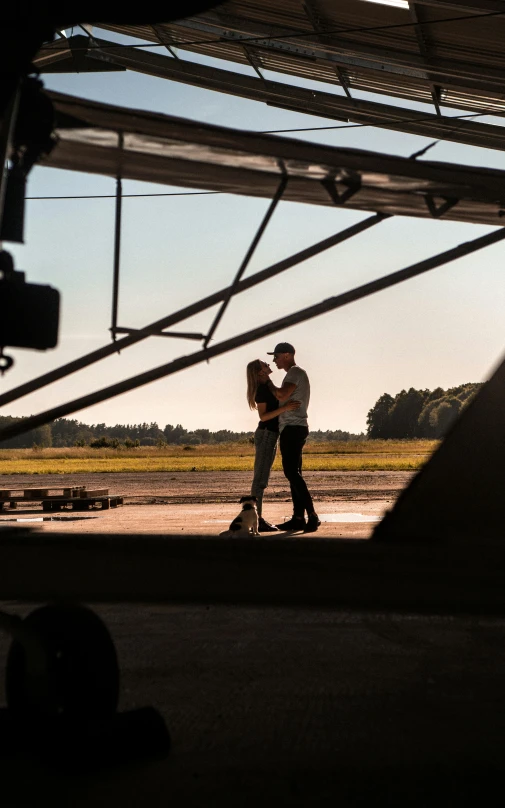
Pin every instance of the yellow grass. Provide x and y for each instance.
(352, 456)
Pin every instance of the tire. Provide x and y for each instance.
(77, 676)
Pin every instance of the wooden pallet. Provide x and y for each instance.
(14, 495)
(82, 503)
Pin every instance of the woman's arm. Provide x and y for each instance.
(267, 416)
(283, 392)
(280, 393)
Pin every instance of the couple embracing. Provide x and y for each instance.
(283, 415)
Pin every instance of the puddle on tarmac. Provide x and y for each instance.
(49, 519)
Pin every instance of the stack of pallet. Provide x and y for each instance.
(77, 497)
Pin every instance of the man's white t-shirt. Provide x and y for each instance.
(301, 393)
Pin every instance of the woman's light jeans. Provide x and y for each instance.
(265, 444)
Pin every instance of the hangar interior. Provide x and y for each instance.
(433, 572)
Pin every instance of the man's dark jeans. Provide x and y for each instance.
(292, 441)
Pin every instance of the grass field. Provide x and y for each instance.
(352, 456)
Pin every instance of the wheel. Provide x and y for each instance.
(66, 665)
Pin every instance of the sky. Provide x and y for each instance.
(440, 330)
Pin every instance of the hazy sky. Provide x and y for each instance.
(442, 329)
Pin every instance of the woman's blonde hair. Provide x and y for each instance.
(253, 368)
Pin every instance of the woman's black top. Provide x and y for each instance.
(265, 396)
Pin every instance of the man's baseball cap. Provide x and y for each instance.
(282, 347)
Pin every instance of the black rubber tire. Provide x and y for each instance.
(81, 677)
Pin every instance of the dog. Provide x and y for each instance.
(246, 523)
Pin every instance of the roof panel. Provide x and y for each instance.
(455, 46)
(175, 151)
(334, 105)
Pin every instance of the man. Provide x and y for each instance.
(294, 429)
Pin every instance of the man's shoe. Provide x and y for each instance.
(313, 522)
(266, 527)
(295, 523)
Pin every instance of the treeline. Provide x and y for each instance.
(418, 413)
(320, 436)
(68, 432)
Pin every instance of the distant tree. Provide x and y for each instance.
(443, 415)
(418, 413)
(435, 394)
(175, 434)
(378, 417)
(82, 437)
(439, 413)
(465, 392)
(426, 428)
(225, 436)
(40, 437)
(405, 412)
(99, 429)
(192, 439)
(65, 432)
(105, 443)
(43, 437)
(334, 435)
(203, 435)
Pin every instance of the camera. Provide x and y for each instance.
(29, 312)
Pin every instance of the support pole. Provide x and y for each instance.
(188, 311)
(204, 355)
(117, 247)
(6, 134)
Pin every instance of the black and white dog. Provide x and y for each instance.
(246, 523)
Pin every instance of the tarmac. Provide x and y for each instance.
(368, 675)
(297, 707)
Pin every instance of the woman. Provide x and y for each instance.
(259, 397)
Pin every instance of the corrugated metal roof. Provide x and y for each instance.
(454, 50)
(77, 54)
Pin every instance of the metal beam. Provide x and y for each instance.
(326, 105)
(7, 127)
(425, 51)
(332, 303)
(164, 40)
(196, 335)
(344, 51)
(319, 24)
(344, 81)
(349, 51)
(188, 311)
(72, 55)
(465, 5)
(249, 254)
(253, 61)
(117, 248)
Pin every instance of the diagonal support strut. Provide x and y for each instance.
(249, 254)
(189, 311)
(204, 355)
